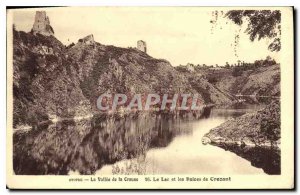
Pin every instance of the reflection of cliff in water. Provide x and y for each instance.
(87, 145)
(261, 157)
(206, 112)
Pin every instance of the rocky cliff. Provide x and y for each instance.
(52, 80)
(211, 93)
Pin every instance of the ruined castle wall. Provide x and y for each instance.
(87, 40)
(42, 24)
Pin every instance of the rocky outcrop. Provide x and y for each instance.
(261, 128)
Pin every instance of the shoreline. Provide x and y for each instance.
(117, 114)
(205, 140)
(254, 129)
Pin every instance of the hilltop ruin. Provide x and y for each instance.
(87, 40)
(141, 45)
(42, 24)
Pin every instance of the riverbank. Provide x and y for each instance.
(260, 128)
(121, 113)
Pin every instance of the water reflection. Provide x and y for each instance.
(169, 142)
(260, 157)
(87, 145)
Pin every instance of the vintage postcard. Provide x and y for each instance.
(150, 98)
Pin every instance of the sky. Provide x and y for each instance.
(180, 35)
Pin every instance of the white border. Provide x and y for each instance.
(5, 3)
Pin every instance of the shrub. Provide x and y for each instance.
(237, 72)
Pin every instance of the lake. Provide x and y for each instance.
(144, 143)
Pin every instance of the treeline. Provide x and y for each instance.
(237, 67)
(238, 70)
(257, 63)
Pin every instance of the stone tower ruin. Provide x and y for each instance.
(141, 45)
(42, 24)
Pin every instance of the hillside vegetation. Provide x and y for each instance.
(52, 80)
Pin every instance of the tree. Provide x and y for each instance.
(227, 65)
(270, 122)
(261, 24)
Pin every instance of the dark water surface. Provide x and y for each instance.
(136, 144)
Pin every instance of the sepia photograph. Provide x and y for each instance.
(150, 97)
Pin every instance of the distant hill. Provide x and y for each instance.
(260, 81)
